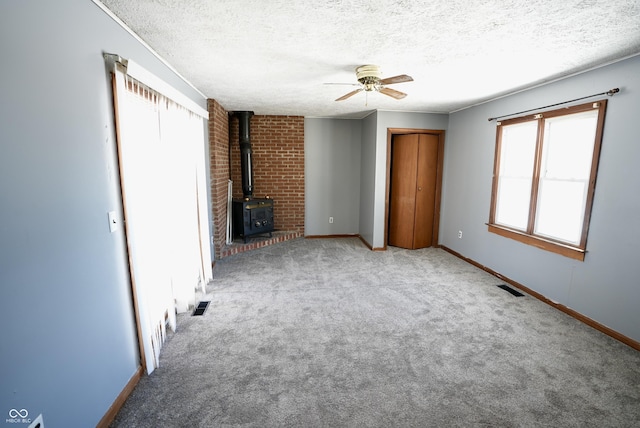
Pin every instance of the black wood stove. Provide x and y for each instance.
(251, 216)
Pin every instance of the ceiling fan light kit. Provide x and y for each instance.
(369, 76)
(370, 79)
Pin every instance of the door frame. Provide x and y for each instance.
(436, 217)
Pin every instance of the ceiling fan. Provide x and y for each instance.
(370, 79)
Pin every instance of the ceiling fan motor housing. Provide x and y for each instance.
(369, 76)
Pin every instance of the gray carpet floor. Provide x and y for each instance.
(326, 333)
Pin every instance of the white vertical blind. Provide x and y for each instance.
(161, 150)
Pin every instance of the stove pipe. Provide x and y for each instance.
(246, 154)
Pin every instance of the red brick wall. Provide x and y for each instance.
(278, 167)
(219, 164)
(277, 143)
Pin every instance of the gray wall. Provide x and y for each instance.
(68, 342)
(332, 176)
(368, 177)
(606, 286)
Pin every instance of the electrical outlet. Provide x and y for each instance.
(330, 220)
(459, 234)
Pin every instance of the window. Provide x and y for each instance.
(544, 177)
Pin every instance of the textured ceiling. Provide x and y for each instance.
(275, 57)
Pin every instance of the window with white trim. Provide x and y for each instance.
(544, 177)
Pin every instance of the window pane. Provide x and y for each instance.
(568, 146)
(517, 152)
(561, 210)
(512, 208)
(564, 175)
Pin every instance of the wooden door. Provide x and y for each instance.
(414, 166)
(402, 204)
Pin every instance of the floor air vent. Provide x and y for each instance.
(511, 290)
(202, 306)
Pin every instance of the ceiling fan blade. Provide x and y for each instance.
(396, 79)
(393, 93)
(350, 94)
(347, 84)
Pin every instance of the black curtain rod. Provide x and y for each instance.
(610, 92)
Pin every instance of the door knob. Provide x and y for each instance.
(419, 188)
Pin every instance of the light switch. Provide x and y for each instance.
(113, 221)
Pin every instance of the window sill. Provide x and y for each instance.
(544, 244)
